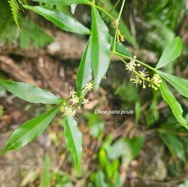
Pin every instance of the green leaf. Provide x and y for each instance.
(46, 175)
(73, 139)
(30, 130)
(63, 2)
(117, 149)
(100, 179)
(173, 103)
(84, 72)
(103, 160)
(101, 43)
(128, 148)
(96, 125)
(29, 92)
(181, 85)
(60, 19)
(133, 146)
(117, 180)
(170, 53)
(15, 7)
(174, 145)
(120, 48)
(31, 34)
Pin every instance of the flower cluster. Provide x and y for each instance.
(155, 82)
(67, 110)
(120, 37)
(141, 77)
(116, 23)
(74, 101)
(131, 65)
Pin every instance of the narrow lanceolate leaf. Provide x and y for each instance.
(63, 2)
(29, 92)
(30, 130)
(100, 51)
(60, 19)
(46, 175)
(73, 139)
(173, 103)
(170, 53)
(84, 72)
(181, 85)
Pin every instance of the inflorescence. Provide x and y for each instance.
(141, 77)
(119, 36)
(67, 108)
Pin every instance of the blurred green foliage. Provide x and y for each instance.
(95, 124)
(30, 34)
(110, 154)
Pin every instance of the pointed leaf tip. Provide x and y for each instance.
(170, 53)
(30, 130)
(29, 92)
(173, 103)
(84, 72)
(181, 85)
(60, 19)
(73, 139)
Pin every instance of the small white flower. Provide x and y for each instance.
(136, 80)
(85, 102)
(131, 65)
(62, 108)
(72, 113)
(72, 93)
(89, 86)
(143, 73)
(69, 112)
(74, 100)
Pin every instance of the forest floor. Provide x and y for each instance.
(54, 68)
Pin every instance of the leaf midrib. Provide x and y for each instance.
(26, 134)
(165, 76)
(97, 43)
(77, 152)
(174, 108)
